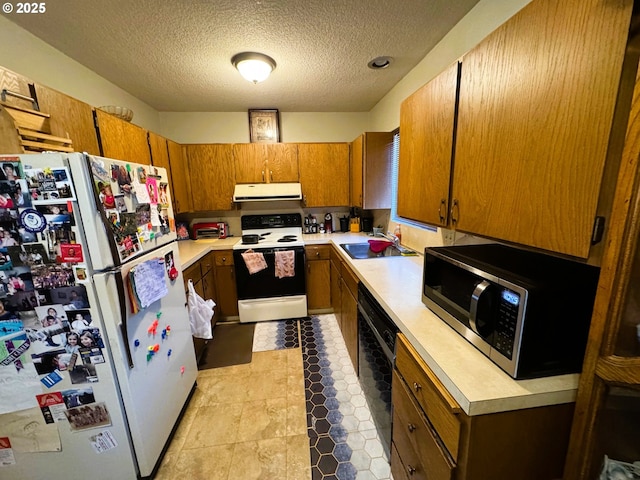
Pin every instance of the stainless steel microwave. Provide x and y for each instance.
(527, 312)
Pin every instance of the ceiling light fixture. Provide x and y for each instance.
(255, 67)
(379, 62)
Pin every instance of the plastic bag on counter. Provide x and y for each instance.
(200, 314)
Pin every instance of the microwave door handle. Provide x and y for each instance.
(475, 297)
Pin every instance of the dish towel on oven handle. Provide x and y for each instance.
(285, 263)
(254, 261)
(200, 314)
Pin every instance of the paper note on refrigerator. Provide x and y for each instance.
(149, 282)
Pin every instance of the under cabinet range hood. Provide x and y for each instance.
(264, 192)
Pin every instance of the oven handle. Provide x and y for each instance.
(385, 348)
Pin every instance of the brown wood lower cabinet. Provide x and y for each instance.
(227, 299)
(318, 278)
(344, 298)
(433, 438)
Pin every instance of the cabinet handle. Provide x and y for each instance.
(224, 259)
(416, 386)
(263, 175)
(308, 267)
(304, 200)
(411, 427)
(455, 211)
(410, 470)
(271, 175)
(317, 254)
(232, 274)
(441, 208)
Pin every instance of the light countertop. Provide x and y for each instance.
(477, 384)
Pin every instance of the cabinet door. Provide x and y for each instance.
(324, 174)
(282, 163)
(250, 160)
(356, 153)
(181, 187)
(537, 99)
(336, 298)
(122, 140)
(349, 323)
(426, 141)
(159, 152)
(227, 298)
(318, 277)
(212, 173)
(70, 118)
(377, 170)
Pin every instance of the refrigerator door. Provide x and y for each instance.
(157, 368)
(114, 197)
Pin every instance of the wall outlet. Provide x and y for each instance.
(448, 237)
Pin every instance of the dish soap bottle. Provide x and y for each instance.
(398, 233)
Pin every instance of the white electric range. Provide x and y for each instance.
(263, 295)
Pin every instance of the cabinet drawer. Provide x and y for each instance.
(318, 252)
(437, 403)
(418, 444)
(207, 263)
(224, 257)
(193, 272)
(350, 279)
(399, 470)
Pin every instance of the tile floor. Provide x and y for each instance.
(266, 419)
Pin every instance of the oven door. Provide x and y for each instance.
(265, 284)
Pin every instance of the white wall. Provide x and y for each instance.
(27, 55)
(233, 127)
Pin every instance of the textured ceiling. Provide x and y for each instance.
(175, 55)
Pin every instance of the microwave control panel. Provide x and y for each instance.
(507, 321)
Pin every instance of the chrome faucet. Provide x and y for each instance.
(391, 237)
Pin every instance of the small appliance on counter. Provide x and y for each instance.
(344, 224)
(209, 230)
(529, 313)
(366, 224)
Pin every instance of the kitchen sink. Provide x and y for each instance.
(362, 250)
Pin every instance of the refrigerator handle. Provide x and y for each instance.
(123, 316)
(115, 254)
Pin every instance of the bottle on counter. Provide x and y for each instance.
(398, 233)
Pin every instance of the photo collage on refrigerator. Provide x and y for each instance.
(46, 327)
(135, 202)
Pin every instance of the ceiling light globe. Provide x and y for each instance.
(255, 67)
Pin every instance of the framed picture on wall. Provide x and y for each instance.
(264, 126)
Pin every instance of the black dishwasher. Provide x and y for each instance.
(376, 357)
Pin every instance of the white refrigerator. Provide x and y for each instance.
(88, 244)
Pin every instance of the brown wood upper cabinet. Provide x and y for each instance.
(70, 118)
(537, 100)
(426, 140)
(122, 140)
(265, 162)
(324, 174)
(159, 152)
(180, 180)
(370, 179)
(535, 114)
(211, 171)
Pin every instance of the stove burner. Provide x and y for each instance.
(288, 238)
